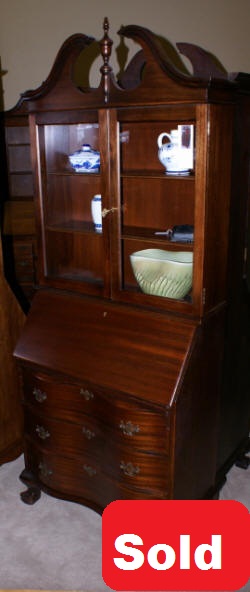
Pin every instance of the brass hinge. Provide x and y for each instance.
(203, 295)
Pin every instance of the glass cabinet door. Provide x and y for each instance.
(125, 227)
(157, 197)
(71, 203)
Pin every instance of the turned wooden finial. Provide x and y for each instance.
(106, 47)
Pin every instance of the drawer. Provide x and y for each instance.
(24, 271)
(62, 400)
(124, 463)
(123, 419)
(72, 477)
(139, 470)
(135, 425)
(84, 480)
(24, 262)
(64, 436)
(23, 251)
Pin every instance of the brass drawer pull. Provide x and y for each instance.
(86, 394)
(129, 469)
(39, 395)
(42, 432)
(44, 470)
(89, 470)
(128, 428)
(87, 433)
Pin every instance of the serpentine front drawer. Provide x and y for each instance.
(83, 479)
(119, 417)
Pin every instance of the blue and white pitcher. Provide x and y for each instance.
(174, 157)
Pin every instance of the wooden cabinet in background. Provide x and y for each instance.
(129, 395)
(19, 240)
(11, 413)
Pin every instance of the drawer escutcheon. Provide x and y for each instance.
(88, 395)
(129, 469)
(87, 433)
(42, 432)
(39, 395)
(89, 470)
(44, 470)
(128, 428)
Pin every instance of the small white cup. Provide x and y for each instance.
(96, 212)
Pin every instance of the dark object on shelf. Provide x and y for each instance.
(183, 233)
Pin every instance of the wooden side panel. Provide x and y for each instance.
(197, 413)
(235, 424)
(218, 195)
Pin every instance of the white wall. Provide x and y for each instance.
(32, 31)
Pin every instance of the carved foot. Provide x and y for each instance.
(30, 496)
(243, 462)
(33, 493)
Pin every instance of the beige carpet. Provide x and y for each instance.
(56, 545)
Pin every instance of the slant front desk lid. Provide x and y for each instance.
(81, 338)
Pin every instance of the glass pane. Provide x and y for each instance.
(144, 144)
(71, 195)
(62, 141)
(68, 200)
(155, 203)
(74, 256)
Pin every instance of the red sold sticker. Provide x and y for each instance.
(175, 545)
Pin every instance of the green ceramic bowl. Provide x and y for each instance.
(163, 273)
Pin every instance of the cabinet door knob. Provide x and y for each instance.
(128, 428)
(42, 432)
(129, 469)
(89, 470)
(39, 395)
(105, 211)
(86, 394)
(87, 433)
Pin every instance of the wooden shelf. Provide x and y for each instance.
(72, 173)
(156, 175)
(146, 234)
(73, 226)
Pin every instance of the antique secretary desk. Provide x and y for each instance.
(127, 394)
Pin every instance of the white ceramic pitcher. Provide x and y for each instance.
(173, 156)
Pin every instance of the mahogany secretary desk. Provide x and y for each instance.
(128, 395)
